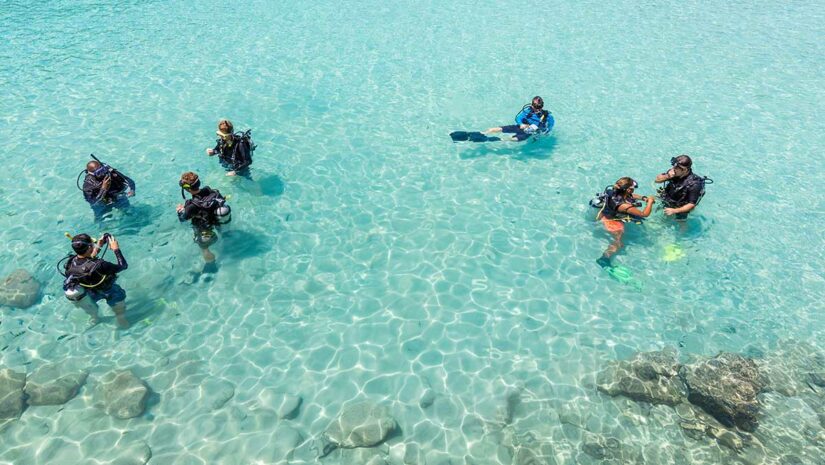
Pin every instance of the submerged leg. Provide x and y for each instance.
(90, 307)
(614, 246)
(120, 314)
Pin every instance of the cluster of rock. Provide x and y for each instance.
(19, 290)
(724, 388)
(123, 394)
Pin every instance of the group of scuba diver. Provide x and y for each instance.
(89, 278)
(619, 204)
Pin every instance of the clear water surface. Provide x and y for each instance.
(370, 258)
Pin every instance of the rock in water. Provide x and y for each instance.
(288, 409)
(427, 399)
(361, 425)
(124, 394)
(11, 393)
(19, 289)
(647, 377)
(286, 406)
(726, 387)
(53, 385)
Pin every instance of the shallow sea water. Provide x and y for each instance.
(370, 258)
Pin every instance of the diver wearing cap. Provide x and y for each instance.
(683, 189)
(619, 205)
(90, 279)
(233, 149)
(105, 187)
(532, 120)
(206, 210)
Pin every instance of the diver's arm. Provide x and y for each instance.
(109, 268)
(521, 118)
(666, 176)
(104, 188)
(94, 193)
(631, 210)
(683, 209)
(89, 189)
(186, 213)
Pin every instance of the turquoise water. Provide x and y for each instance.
(370, 257)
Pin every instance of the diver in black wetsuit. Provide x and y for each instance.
(90, 279)
(683, 188)
(233, 149)
(207, 209)
(105, 188)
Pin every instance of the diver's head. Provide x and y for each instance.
(190, 182)
(225, 128)
(82, 244)
(96, 169)
(537, 103)
(681, 165)
(625, 186)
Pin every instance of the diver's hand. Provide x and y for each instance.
(179, 208)
(670, 211)
(524, 126)
(107, 182)
(113, 243)
(650, 199)
(210, 152)
(130, 194)
(231, 173)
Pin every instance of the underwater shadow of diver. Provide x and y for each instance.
(523, 151)
(238, 244)
(272, 186)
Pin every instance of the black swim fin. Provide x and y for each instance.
(477, 137)
(459, 136)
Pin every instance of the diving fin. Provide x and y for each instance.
(459, 136)
(475, 136)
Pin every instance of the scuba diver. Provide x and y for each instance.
(207, 209)
(105, 187)
(618, 204)
(233, 149)
(683, 189)
(90, 279)
(532, 121)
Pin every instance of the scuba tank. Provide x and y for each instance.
(223, 214)
(598, 200)
(73, 291)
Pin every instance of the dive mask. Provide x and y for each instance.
(185, 185)
(101, 171)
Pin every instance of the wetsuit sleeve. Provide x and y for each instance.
(89, 191)
(113, 268)
(521, 118)
(93, 192)
(189, 210)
